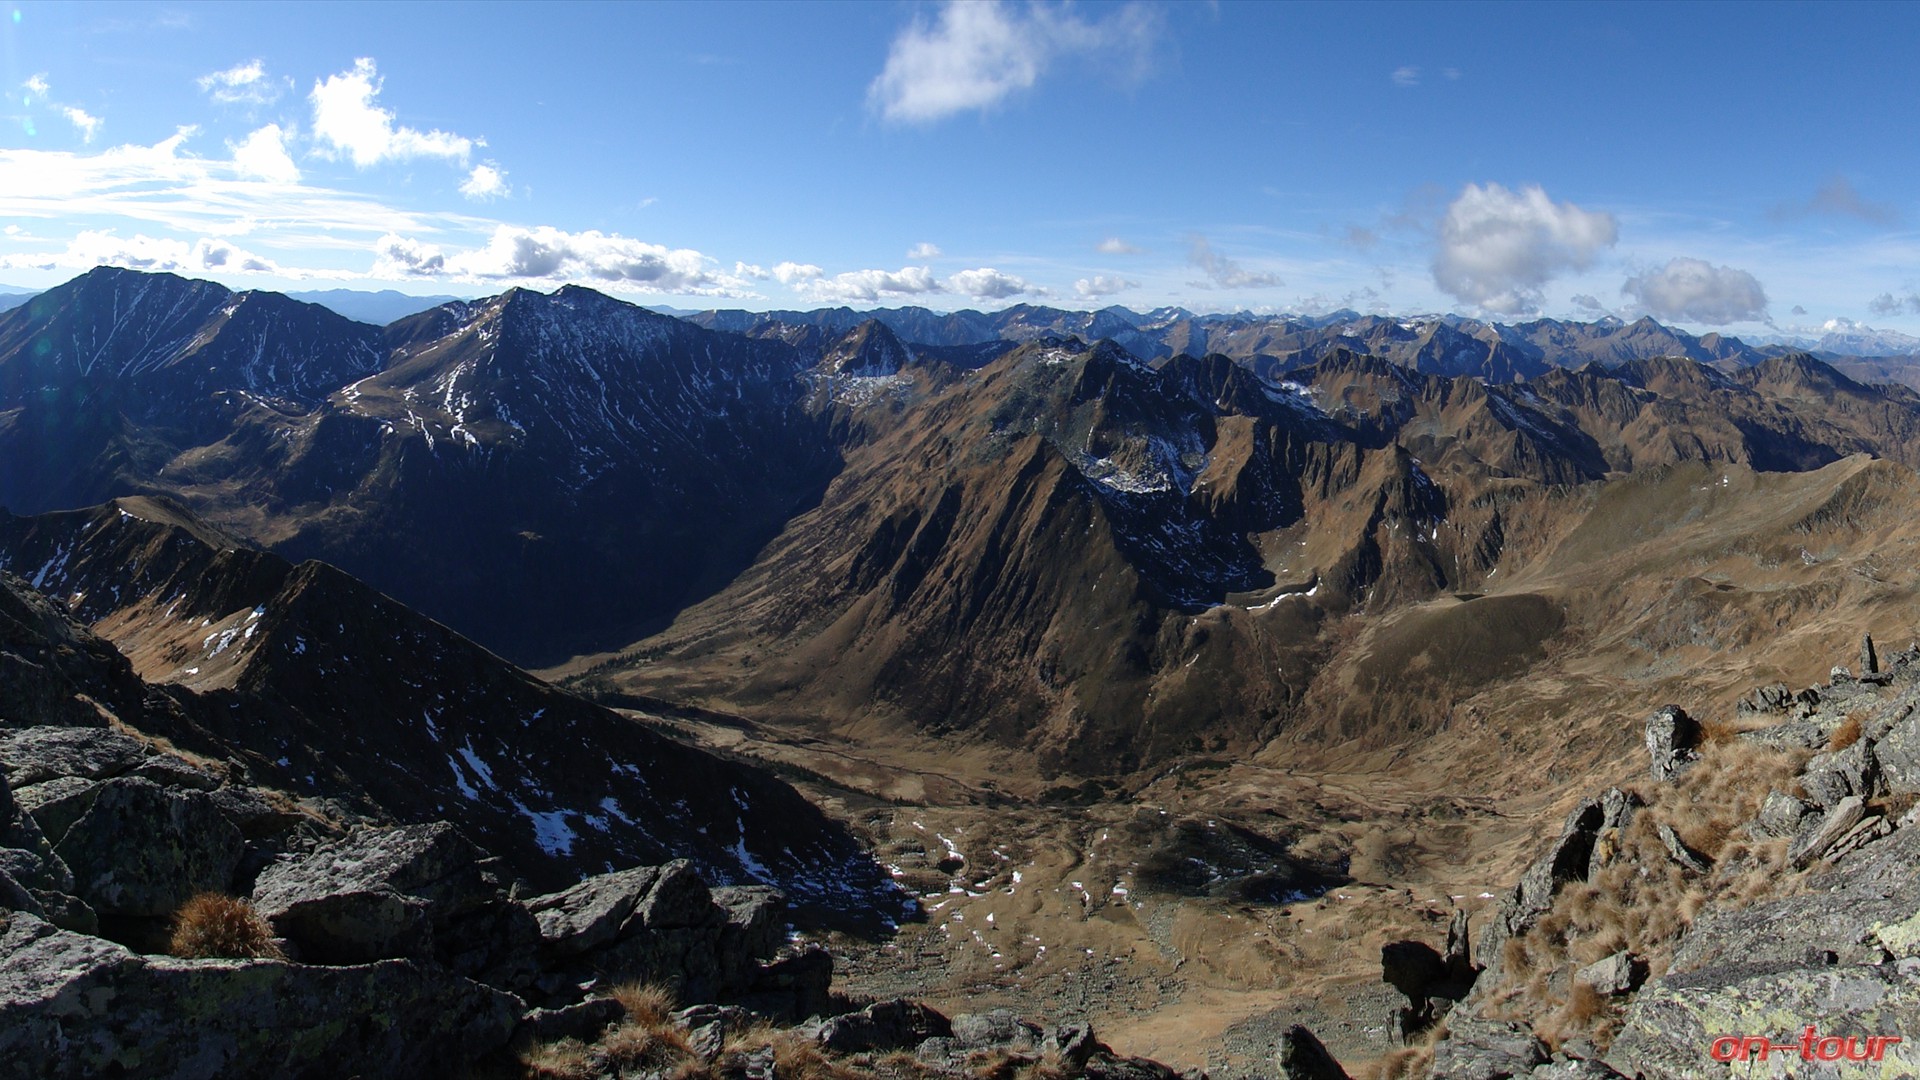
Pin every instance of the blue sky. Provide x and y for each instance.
(1714, 166)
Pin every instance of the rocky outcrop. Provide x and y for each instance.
(1672, 736)
(376, 894)
(1586, 843)
(1302, 1056)
(1833, 959)
(77, 1006)
(1477, 1049)
(1672, 1029)
(140, 849)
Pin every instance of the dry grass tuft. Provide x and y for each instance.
(651, 1048)
(1846, 734)
(1641, 901)
(796, 1057)
(1411, 1062)
(563, 1060)
(649, 1005)
(215, 925)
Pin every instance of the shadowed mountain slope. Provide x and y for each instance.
(330, 689)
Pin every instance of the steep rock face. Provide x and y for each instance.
(1076, 528)
(331, 690)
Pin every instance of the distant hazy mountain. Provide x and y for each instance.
(1844, 337)
(11, 297)
(1436, 344)
(378, 308)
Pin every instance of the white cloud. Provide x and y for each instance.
(164, 186)
(1406, 76)
(37, 85)
(346, 120)
(1223, 272)
(986, 283)
(244, 84)
(1497, 247)
(974, 54)
(749, 270)
(517, 253)
(790, 272)
(80, 119)
(1102, 285)
(486, 181)
(1698, 291)
(1113, 245)
(923, 251)
(263, 155)
(403, 256)
(100, 247)
(859, 286)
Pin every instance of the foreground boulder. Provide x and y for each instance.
(78, 1006)
(143, 850)
(1672, 1026)
(377, 894)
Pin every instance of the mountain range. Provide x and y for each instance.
(1091, 534)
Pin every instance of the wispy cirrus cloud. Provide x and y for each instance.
(166, 186)
(244, 84)
(1225, 273)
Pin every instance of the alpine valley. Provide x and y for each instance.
(1180, 675)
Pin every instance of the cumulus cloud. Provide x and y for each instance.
(37, 85)
(403, 256)
(243, 84)
(1406, 76)
(517, 253)
(1798, 310)
(1498, 247)
(1698, 291)
(486, 181)
(263, 155)
(1838, 198)
(975, 54)
(101, 247)
(859, 286)
(347, 121)
(923, 251)
(1888, 304)
(1113, 245)
(86, 124)
(1588, 302)
(1223, 272)
(1102, 285)
(986, 283)
(790, 272)
(749, 270)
